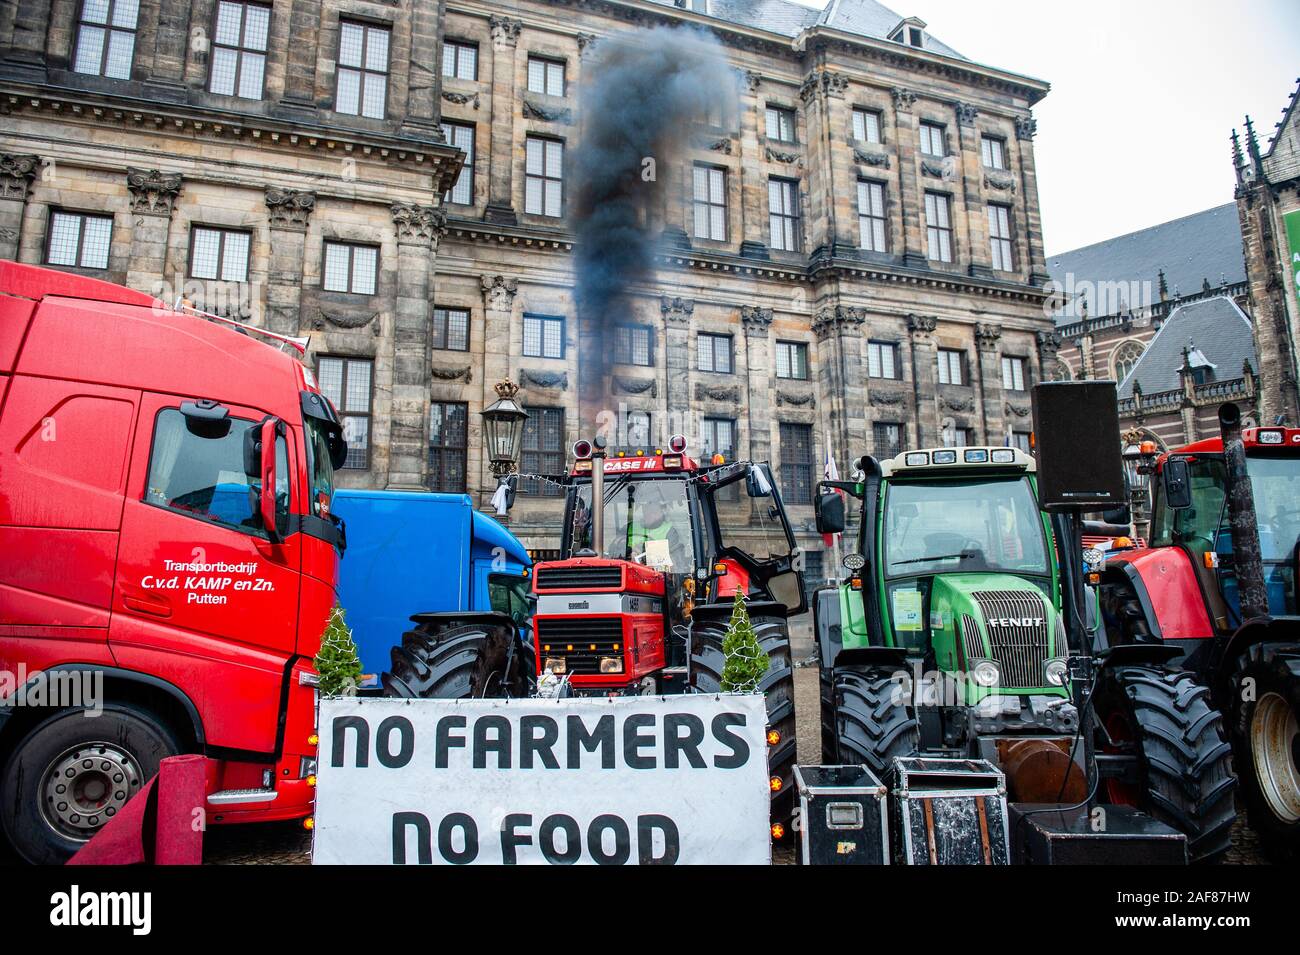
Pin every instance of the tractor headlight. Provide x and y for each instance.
(611, 664)
(555, 664)
(986, 673)
(1056, 671)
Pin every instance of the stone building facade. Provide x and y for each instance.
(901, 304)
(1268, 201)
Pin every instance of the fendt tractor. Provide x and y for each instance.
(1218, 582)
(168, 558)
(654, 548)
(952, 638)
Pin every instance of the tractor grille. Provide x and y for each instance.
(1021, 648)
(581, 633)
(586, 578)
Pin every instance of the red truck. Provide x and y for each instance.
(168, 557)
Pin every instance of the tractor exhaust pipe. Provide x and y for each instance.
(1247, 563)
(598, 496)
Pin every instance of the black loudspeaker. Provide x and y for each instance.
(1076, 437)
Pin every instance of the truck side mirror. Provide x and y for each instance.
(259, 464)
(828, 508)
(1178, 485)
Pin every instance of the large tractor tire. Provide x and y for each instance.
(70, 775)
(874, 724)
(778, 693)
(1185, 776)
(1266, 743)
(830, 740)
(457, 663)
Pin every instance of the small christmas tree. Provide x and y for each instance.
(337, 662)
(744, 661)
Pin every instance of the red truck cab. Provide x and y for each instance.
(168, 558)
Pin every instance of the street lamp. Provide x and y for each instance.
(503, 429)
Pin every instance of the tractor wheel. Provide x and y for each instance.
(830, 744)
(1185, 763)
(1123, 614)
(70, 775)
(1266, 742)
(873, 723)
(457, 663)
(778, 693)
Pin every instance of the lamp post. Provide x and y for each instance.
(503, 431)
(1138, 457)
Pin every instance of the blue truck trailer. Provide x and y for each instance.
(414, 552)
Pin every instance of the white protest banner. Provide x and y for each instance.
(651, 780)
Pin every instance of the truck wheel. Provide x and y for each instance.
(71, 774)
(873, 725)
(1185, 763)
(457, 663)
(778, 694)
(1266, 742)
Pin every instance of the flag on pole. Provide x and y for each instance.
(830, 473)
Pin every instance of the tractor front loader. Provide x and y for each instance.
(961, 634)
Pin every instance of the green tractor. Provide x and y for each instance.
(960, 633)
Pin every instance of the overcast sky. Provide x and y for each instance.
(1144, 96)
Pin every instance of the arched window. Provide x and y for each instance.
(1125, 357)
(1060, 371)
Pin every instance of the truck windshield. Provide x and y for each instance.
(642, 518)
(318, 464)
(940, 527)
(1277, 507)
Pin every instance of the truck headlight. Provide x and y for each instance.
(555, 664)
(611, 664)
(1056, 671)
(986, 673)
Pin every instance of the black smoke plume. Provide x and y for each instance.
(640, 98)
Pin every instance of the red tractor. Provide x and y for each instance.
(1217, 582)
(654, 549)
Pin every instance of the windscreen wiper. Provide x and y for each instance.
(962, 555)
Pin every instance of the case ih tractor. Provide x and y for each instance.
(654, 549)
(1218, 582)
(167, 554)
(954, 638)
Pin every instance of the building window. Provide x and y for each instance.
(350, 268)
(1013, 373)
(542, 450)
(362, 70)
(219, 254)
(544, 177)
(714, 352)
(1000, 238)
(460, 59)
(545, 76)
(780, 124)
(882, 360)
(796, 463)
(711, 203)
(993, 152)
(239, 49)
(866, 126)
(634, 345)
(887, 438)
(938, 226)
(636, 429)
(956, 436)
(347, 383)
(79, 240)
(461, 136)
(1061, 371)
(1020, 439)
(106, 38)
(718, 436)
(932, 140)
(543, 336)
(451, 329)
(783, 213)
(871, 216)
(448, 443)
(792, 360)
(1125, 359)
(952, 367)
